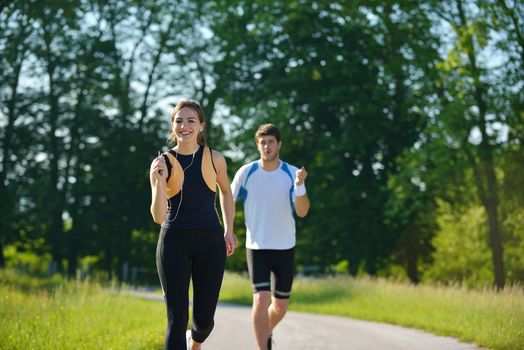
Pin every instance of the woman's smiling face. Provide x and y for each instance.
(187, 125)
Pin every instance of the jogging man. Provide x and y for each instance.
(274, 193)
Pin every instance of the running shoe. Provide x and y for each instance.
(188, 339)
(269, 341)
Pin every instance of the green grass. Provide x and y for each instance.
(486, 318)
(42, 313)
(56, 314)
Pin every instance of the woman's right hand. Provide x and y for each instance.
(158, 176)
(158, 170)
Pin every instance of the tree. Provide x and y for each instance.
(471, 107)
(343, 83)
(15, 49)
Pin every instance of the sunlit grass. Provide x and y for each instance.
(56, 314)
(43, 313)
(488, 318)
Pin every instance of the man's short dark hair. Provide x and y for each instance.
(267, 130)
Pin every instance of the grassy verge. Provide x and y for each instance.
(56, 314)
(487, 318)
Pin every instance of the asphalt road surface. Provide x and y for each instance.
(303, 331)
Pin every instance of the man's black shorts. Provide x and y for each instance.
(262, 262)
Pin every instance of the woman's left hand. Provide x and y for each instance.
(231, 242)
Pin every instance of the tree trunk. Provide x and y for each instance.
(56, 227)
(412, 263)
(485, 179)
(5, 203)
(72, 254)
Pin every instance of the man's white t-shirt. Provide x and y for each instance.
(268, 211)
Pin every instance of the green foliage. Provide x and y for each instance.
(410, 211)
(462, 252)
(28, 261)
(512, 190)
(343, 98)
(386, 113)
(514, 246)
(342, 267)
(238, 261)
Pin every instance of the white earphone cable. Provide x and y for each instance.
(181, 186)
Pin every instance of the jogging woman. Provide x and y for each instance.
(191, 244)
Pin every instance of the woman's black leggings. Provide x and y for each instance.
(182, 255)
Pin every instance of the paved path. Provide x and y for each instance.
(303, 331)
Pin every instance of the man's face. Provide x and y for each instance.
(268, 147)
